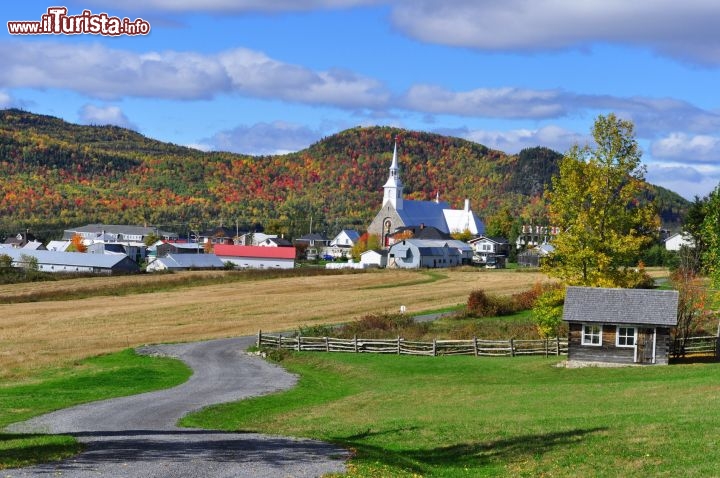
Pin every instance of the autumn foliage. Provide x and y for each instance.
(57, 174)
(76, 244)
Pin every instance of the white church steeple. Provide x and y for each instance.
(393, 187)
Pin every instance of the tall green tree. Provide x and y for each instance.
(711, 236)
(595, 201)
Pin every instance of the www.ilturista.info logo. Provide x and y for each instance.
(57, 22)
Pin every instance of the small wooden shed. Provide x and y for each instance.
(620, 326)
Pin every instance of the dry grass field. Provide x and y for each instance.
(37, 335)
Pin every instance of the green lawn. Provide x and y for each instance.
(119, 374)
(467, 416)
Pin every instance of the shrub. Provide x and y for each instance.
(376, 326)
(480, 304)
(317, 331)
(548, 310)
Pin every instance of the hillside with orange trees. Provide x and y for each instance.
(56, 174)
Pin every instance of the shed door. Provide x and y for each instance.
(645, 346)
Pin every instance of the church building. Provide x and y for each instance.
(397, 212)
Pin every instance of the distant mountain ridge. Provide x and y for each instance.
(57, 174)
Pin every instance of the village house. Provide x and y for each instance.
(341, 244)
(164, 248)
(117, 239)
(533, 235)
(397, 212)
(677, 241)
(23, 240)
(619, 326)
(490, 251)
(116, 233)
(534, 256)
(184, 262)
(423, 253)
(256, 239)
(275, 242)
(256, 257)
(219, 235)
(312, 244)
(374, 258)
(73, 262)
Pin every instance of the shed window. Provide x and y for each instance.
(625, 337)
(592, 334)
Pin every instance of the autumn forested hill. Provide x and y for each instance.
(56, 174)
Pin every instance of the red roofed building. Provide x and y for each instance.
(257, 257)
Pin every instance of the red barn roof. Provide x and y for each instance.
(258, 252)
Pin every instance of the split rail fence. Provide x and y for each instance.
(400, 346)
(707, 346)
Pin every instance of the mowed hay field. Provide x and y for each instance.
(37, 335)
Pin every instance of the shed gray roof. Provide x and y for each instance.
(621, 306)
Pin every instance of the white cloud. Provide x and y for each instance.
(488, 102)
(513, 141)
(688, 181)
(278, 137)
(685, 30)
(104, 115)
(104, 73)
(6, 101)
(690, 149)
(652, 116)
(256, 74)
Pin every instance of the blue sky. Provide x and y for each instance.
(264, 76)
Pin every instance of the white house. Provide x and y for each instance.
(341, 244)
(256, 257)
(374, 258)
(345, 238)
(488, 249)
(677, 241)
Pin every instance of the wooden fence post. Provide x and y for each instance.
(259, 339)
(327, 345)
(298, 342)
(434, 348)
(475, 347)
(557, 350)
(355, 342)
(398, 345)
(547, 346)
(512, 347)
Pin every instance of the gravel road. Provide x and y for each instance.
(137, 437)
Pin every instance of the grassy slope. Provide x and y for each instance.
(463, 416)
(119, 374)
